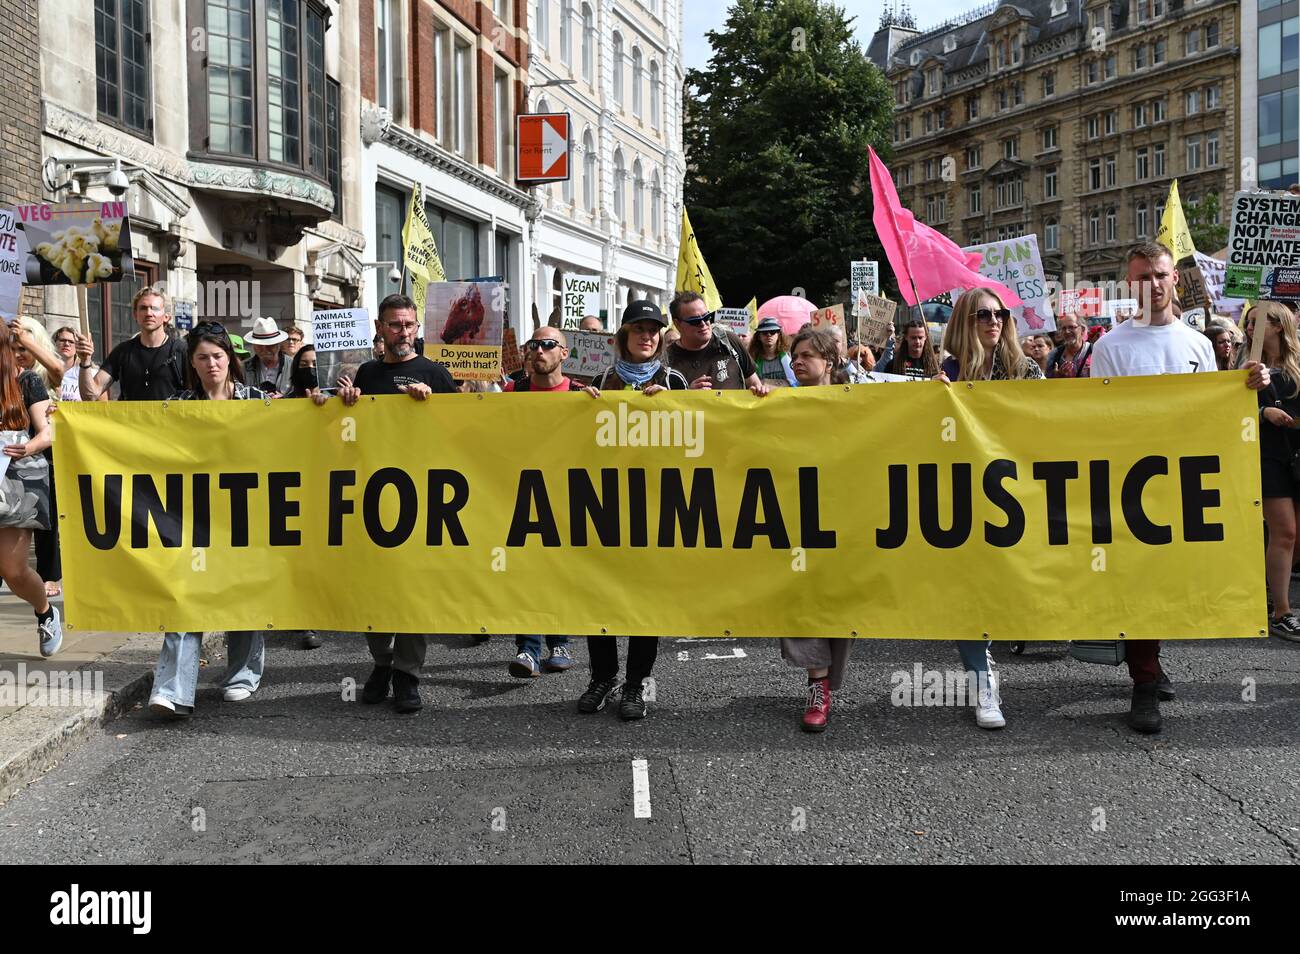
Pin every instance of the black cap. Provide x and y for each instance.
(639, 309)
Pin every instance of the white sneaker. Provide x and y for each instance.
(988, 715)
(50, 633)
(236, 694)
(162, 706)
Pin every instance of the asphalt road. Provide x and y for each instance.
(496, 769)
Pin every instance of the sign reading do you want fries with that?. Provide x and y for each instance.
(463, 327)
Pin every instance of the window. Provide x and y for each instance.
(1212, 94)
(1094, 127)
(1212, 149)
(655, 95)
(1094, 227)
(503, 124)
(974, 238)
(287, 122)
(457, 241)
(1158, 152)
(541, 36)
(931, 208)
(1059, 8)
(1141, 222)
(1112, 225)
(588, 44)
(972, 107)
(1010, 191)
(333, 162)
(972, 157)
(390, 209)
(1011, 148)
(949, 43)
(1159, 110)
(1192, 102)
(1112, 66)
(1193, 153)
(943, 207)
(927, 122)
(1278, 51)
(1018, 94)
(1278, 117)
(656, 213)
(1049, 182)
(589, 183)
(1158, 52)
(616, 63)
(122, 68)
(941, 118)
(1003, 100)
(1142, 164)
(1140, 61)
(1191, 42)
(1093, 72)
(1094, 173)
(1049, 84)
(637, 70)
(932, 79)
(1049, 138)
(638, 198)
(1212, 34)
(907, 130)
(1272, 175)
(1015, 50)
(1111, 172)
(973, 194)
(462, 100)
(1112, 122)
(620, 174)
(1140, 117)
(566, 24)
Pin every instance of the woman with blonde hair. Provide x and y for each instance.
(1279, 411)
(981, 339)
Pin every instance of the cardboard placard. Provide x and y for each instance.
(580, 298)
(1264, 246)
(590, 353)
(1017, 264)
(875, 325)
(824, 317)
(464, 323)
(511, 359)
(1192, 291)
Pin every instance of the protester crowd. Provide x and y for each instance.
(979, 342)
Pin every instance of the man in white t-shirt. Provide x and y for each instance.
(1155, 342)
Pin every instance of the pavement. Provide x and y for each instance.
(496, 769)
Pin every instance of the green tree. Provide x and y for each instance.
(776, 134)
(1207, 235)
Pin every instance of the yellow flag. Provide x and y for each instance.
(1173, 233)
(692, 273)
(419, 251)
(753, 313)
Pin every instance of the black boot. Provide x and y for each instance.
(1144, 715)
(376, 688)
(406, 692)
(632, 705)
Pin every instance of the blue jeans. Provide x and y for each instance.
(533, 644)
(974, 655)
(177, 674)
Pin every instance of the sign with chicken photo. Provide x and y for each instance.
(463, 323)
(76, 243)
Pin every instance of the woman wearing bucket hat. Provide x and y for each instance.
(269, 369)
(770, 350)
(212, 373)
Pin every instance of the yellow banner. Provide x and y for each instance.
(1174, 234)
(1021, 510)
(419, 250)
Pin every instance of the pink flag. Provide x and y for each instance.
(925, 262)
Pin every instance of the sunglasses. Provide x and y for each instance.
(546, 344)
(210, 328)
(705, 319)
(986, 317)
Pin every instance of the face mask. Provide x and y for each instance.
(304, 378)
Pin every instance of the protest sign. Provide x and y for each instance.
(344, 340)
(827, 317)
(735, 320)
(1081, 302)
(1121, 309)
(1264, 246)
(13, 264)
(1017, 264)
(709, 490)
(511, 359)
(876, 323)
(463, 327)
(76, 243)
(864, 276)
(1214, 271)
(580, 298)
(590, 353)
(420, 256)
(1192, 291)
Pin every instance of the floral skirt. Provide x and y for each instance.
(25, 488)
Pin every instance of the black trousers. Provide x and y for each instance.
(49, 567)
(641, 653)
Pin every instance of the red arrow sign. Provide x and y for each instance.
(543, 147)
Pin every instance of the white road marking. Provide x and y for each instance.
(706, 639)
(736, 653)
(640, 788)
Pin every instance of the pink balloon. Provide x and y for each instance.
(791, 311)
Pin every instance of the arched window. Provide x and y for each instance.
(1051, 235)
(637, 82)
(619, 174)
(638, 198)
(655, 94)
(1141, 220)
(588, 43)
(1112, 225)
(617, 64)
(656, 205)
(590, 187)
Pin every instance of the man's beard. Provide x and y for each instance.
(401, 350)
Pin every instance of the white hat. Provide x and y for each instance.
(265, 332)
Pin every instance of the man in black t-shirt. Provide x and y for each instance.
(148, 367)
(398, 656)
(708, 358)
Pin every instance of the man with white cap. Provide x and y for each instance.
(269, 369)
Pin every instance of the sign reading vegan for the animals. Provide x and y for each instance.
(1017, 264)
(1264, 246)
(581, 298)
(345, 329)
(76, 243)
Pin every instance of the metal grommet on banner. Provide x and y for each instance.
(1105, 380)
(482, 629)
(480, 397)
(970, 386)
(604, 631)
(165, 403)
(726, 632)
(1256, 503)
(986, 636)
(266, 401)
(1263, 632)
(848, 387)
(1121, 635)
(853, 632)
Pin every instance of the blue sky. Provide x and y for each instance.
(699, 16)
